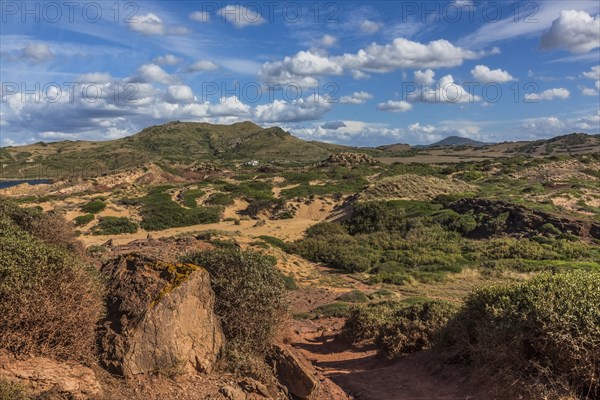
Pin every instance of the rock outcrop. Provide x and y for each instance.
(522, 221)
(296, 376)
(349, 159)
(44, 376)
(160, 318)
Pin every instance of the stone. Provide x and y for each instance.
(160, 318)
(42, 375)
(232, 393)
(249, 385)
(297, 376)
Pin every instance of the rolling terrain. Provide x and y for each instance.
(355, 234)
(188, 143)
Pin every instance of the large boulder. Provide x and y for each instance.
(160, 318)
(42, 376)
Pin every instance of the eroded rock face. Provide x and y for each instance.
(298, 377)
(42, 375)
(160, 318)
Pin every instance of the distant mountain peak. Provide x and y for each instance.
(458, 141)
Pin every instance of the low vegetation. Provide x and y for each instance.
(84, 219)
(93, 207)
(160, 212)
(50, 299)
(543, 332)
(400, 241)
(115, 226)
(250, 299)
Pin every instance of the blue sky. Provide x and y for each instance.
(360, 73)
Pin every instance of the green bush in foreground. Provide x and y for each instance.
(50, 300)
(250, 299)
(398, 328)
(415, 328)
(93, 207)
(547, 329)
(115, 226)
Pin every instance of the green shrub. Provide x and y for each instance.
(115, 226)
(84, 219)
(273, 241)
(93, 207)
(325, 229)
(250, 299)
(290, 282)
(366, 323)
(545, 330)
(219, 199)
(50, 301)
(335, 310)
(12, 391)
(190, 196)
(415, 328)
(354, 296)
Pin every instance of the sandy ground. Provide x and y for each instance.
(289, 229)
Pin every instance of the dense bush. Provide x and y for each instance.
(398, 328)
(115, 226)
(83, 219)
(366, 323)
(49, 227)
(12, 391)
(93, 207)
(190, 196)
(49, 299)
(219, 199)
(545, 330)
(415, 328)
(353, 296)
(250, 299)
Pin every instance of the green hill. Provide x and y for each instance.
(183, 142)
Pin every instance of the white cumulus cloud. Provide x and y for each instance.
(443, 91)
(37, 52)
(179, 94)
(400, 53)
(549, 94)
(202, 65)
(394, 106)
(154, 73)
(311, 108)
(370, 27)
(356, 98)
(575, 31)
(485, 75)
(168, 59)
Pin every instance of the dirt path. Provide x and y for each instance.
(361, 373)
